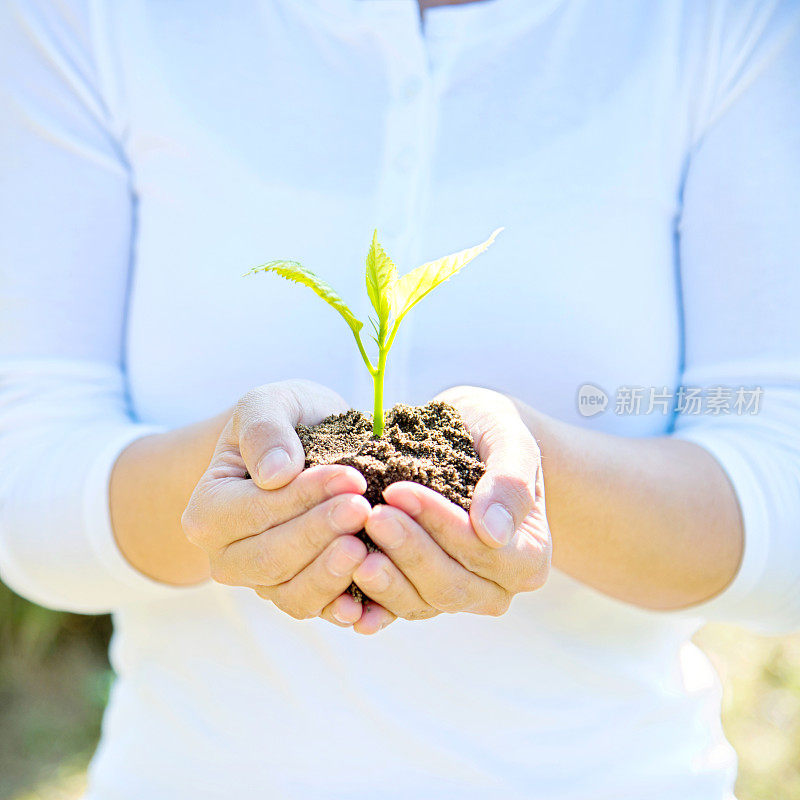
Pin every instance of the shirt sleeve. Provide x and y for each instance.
(66, 222)
(739, 250)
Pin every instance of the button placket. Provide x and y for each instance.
(406, 123)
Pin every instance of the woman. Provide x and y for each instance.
(645, 163)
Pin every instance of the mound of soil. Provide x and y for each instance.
(426, 444)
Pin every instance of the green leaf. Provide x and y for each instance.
(293, 271)
(413, 286)
(381, 274)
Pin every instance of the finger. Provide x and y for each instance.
(440, 580)
(373, 619)
(506, 493)
(446, 523)
(343, 611)
(277, 555)
(224, 510)
(450, 527)
(321, 582)
(383, 583)
(264, 427)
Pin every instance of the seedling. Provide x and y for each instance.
(392, 297)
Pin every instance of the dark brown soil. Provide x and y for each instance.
(426, 444)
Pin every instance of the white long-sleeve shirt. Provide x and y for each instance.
(644, 159)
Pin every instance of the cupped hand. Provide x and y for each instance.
(437, 558)
(267, 524)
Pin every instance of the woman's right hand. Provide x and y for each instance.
(285, 532)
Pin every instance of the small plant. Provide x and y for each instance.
(391, 296)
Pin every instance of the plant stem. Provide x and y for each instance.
(377, 379)
(363, 352)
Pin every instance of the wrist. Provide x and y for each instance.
(150, 485)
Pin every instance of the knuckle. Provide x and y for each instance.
(519, 487)
(262, 429)
(308, 492)
(264, 592)
(482, 560)
(294, 611)
(420, 613)
(310, 534)
(531, 450)
(532, 568)
(532, 580)
(246, 406)
(226, 462)
(498, 606)
(267, 566)
(309, 393)
(526, 578)
(413, 560)
(243, 405)
(307, 488)
(461, 396)
(529, 582)
(261, 412)
(288, 600)
(262, 514)
(220, 574)
(193, 526)
(484, 431)
(319, 585)
(260, 396)
(451, 598)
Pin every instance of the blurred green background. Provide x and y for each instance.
(54, 681)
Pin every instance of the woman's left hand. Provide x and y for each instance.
(437, 558)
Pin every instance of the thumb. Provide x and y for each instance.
(507, 492)
(264, 427)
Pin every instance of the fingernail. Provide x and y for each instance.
(390, 532)
(335, 614)
(346, 516)
(341, 562)
(409, 503)
(379, 582)
(499, 524)
(340, 483)
(272, 464)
